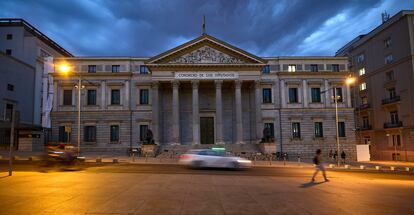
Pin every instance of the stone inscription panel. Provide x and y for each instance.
(206, 75)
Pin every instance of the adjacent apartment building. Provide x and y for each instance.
(383, 61)
(22, 52)
(204, 92)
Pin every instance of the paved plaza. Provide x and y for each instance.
(136, 189)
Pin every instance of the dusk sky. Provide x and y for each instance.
(149, 27)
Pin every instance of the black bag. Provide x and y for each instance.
(316, 160)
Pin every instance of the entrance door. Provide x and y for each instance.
(207, 130)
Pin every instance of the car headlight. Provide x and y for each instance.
(243, 161)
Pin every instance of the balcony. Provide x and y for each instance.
(363, 106)
(393, 124)
(365, 127)
(391, 100)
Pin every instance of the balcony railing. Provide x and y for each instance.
(365, 127)
(391, 100)
(363, 106)
(393, 124)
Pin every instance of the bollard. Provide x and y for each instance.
(362, 167)
(133, 157)
(298, 161)
(284, 161)
(270, 161)
(146, 158)
(115, 160)
(392, 168)
(407, 169)
(346, 166)
(377, 167)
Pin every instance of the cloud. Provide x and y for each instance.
(147, 28)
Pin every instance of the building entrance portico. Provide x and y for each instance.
(207, 130)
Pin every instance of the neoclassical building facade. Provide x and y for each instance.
(204, 92)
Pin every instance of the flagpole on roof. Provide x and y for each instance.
(204, 24)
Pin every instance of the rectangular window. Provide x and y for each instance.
(316, 95)
(389, 59)
(396, 140)
(389, 75)
(266, 69)
(318, 129)
(365, 122)
(89, 134)
(314, 67)
(115, 68)
(9, 112)
(64, 133)
(291, 68)
(10, 87)
(8, 52)
(143, 96)
(392, 93)
(270, 127)
(387, 42)
(67, 97)
(296, 130)
(361, 71)
(114, 133)
(91, 97)
(394, 117)
(91, 68)
(143, 69)
(143, 130)
(9, 36)
(115, 97)
(293, 95)
(362, 86)
(364, 100)
(341, 129)
(267, 95)
(337, 92)
(335, 67)
(360, 58)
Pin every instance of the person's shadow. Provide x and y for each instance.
(311, 184)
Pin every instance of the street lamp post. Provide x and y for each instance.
(348, 81)
(66, 69)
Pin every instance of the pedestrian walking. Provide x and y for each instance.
(335, 155)
(319, 165)
(330, 154)
(343, 156)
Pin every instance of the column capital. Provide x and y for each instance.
(257, 83)
(219, 83)
(155, 84)
(195, 84)
(175, 84)
(238, 83)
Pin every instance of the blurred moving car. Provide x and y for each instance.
(61, 155)
(217, 158)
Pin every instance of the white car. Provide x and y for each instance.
(200, 158)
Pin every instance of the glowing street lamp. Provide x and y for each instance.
(66, 69)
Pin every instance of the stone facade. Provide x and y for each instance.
(231, 98)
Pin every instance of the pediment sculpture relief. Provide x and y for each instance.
(206, 55)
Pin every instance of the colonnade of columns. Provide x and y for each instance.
(196, 115)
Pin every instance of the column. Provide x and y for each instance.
(283, 93)
(126, 100)
(196, 115)
(103, 95)
(305, 93)
(258, 107)
(348, 95)
(219, 113)
(55, 96)
(327, 99)
(155, 111)
(175, 113)
(239, 114)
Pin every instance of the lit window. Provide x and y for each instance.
(363, 86)
(292, 68)
(362, 71)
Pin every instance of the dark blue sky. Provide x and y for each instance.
(149, 27)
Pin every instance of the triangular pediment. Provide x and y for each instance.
(206, 50)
